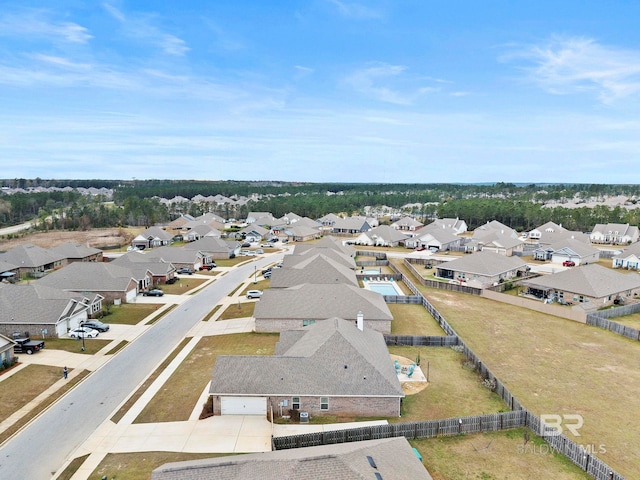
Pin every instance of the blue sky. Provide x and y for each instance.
(321, 90)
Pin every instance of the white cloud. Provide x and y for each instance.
(141, 27)
(35, 23)
(356, 10)
(302, 72)
(578, 64)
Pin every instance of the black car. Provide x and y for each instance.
(96, 325)
(156, 292)
(245, 245)
(266, 270)
(185, 270)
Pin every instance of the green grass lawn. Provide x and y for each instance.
(183, 285)
(178, 397)
(453, 390)
(494, 455)
(632, 321)
(130, 313)
(557, 366)
(413, 320)
(239, 310)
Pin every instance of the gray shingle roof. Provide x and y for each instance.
(484, 263)
(212, 245)
(89, 276)
(314, 365)
(179, 255)
(590, 280)
(29, 256)
(309, 301)
(70, 250)
(327, 242)
(35, 303)
(316, 269)
(393, 457)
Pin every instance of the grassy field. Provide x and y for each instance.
(183, 285)
(453, 389)
(559, 367)
(138, 466)
(177, 399)
(130, 313)
(632, 321)
(413, 320)
(494, 455)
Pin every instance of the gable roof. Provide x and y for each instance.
(484, 263)
(393, 457)
(327, 242)
(140, 263)
(36, 303)
(386, 233)
(573, 247)
(156, 232)
(90, 276)
(591, 280)
(407, 222)
(29, 256)
(314, 365)
(321, 301)
(318, 268)
(70, 250)
(212, 245)
(178, 254)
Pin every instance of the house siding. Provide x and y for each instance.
(356, 406)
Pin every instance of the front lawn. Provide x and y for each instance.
(239, 310)
(129, 313)
(180, 394)
(91, 345)
(183, 285)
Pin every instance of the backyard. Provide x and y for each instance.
(413, 320)
(555, 366)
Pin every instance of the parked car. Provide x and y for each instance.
(245, 245)
(268, 269)
(568, 263)
(208, 266)
(85, 332)
(185, 271)
(171, 281)
(156, 292)
(254, 293)
(259, 251)
(267, 275)
(96, 325)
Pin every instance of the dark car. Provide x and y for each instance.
(156, 292)
(185, 270)
(266, 270)
(172, 280)
(245, 245)
(96, 325)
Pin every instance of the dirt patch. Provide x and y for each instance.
(97, 238)
(411, 388)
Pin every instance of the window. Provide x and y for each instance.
(306, 323)
(295, 403)
(324, 403)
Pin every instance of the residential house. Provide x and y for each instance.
(629, 258)
(6, 351)
(177, 225)
(381, 236)
(252, 217)
(112, 282)
(332, 367)
(282, 309)
(210, 220)
(434, 239)
(301, 254)
(9, 272)
(351, 226)
(327, 243)
(458, 226)
(614, 234)
(70, 252)
(31, 260)
(482, 269)
(551, 233)
(201, 231)
(300, 233)
(593, 286)
(42, 310)
(568, 250)
(213, 248)
(388, 459)
(253, 233)
(185, 256)
(328, 221)
(147, 269)
(317, 268)
(407, 224)
(291, 218)
(152, 237)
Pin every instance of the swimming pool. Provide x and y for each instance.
(375, 271)
(384, 288)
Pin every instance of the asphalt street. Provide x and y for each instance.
(42, 447)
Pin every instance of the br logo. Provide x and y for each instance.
(553, 424)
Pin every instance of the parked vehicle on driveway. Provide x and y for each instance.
(208, 266)
(185, 271)
(156, 292)
(24, 344)
(85, 332)
(96, 325)
(254, 293)
(568, 263)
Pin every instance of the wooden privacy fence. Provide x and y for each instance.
(578, 454)
(404, 299)
(369, 253)
(422, 341)
(596, 320)
(438, 284)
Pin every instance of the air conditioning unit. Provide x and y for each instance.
(304, 417)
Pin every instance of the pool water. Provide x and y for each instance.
(372, 272)
(383, 288)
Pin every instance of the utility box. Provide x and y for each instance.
(304, 417)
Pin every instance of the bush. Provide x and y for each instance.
(207, 409)
(294, 415)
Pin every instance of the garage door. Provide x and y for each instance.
(243, 406)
